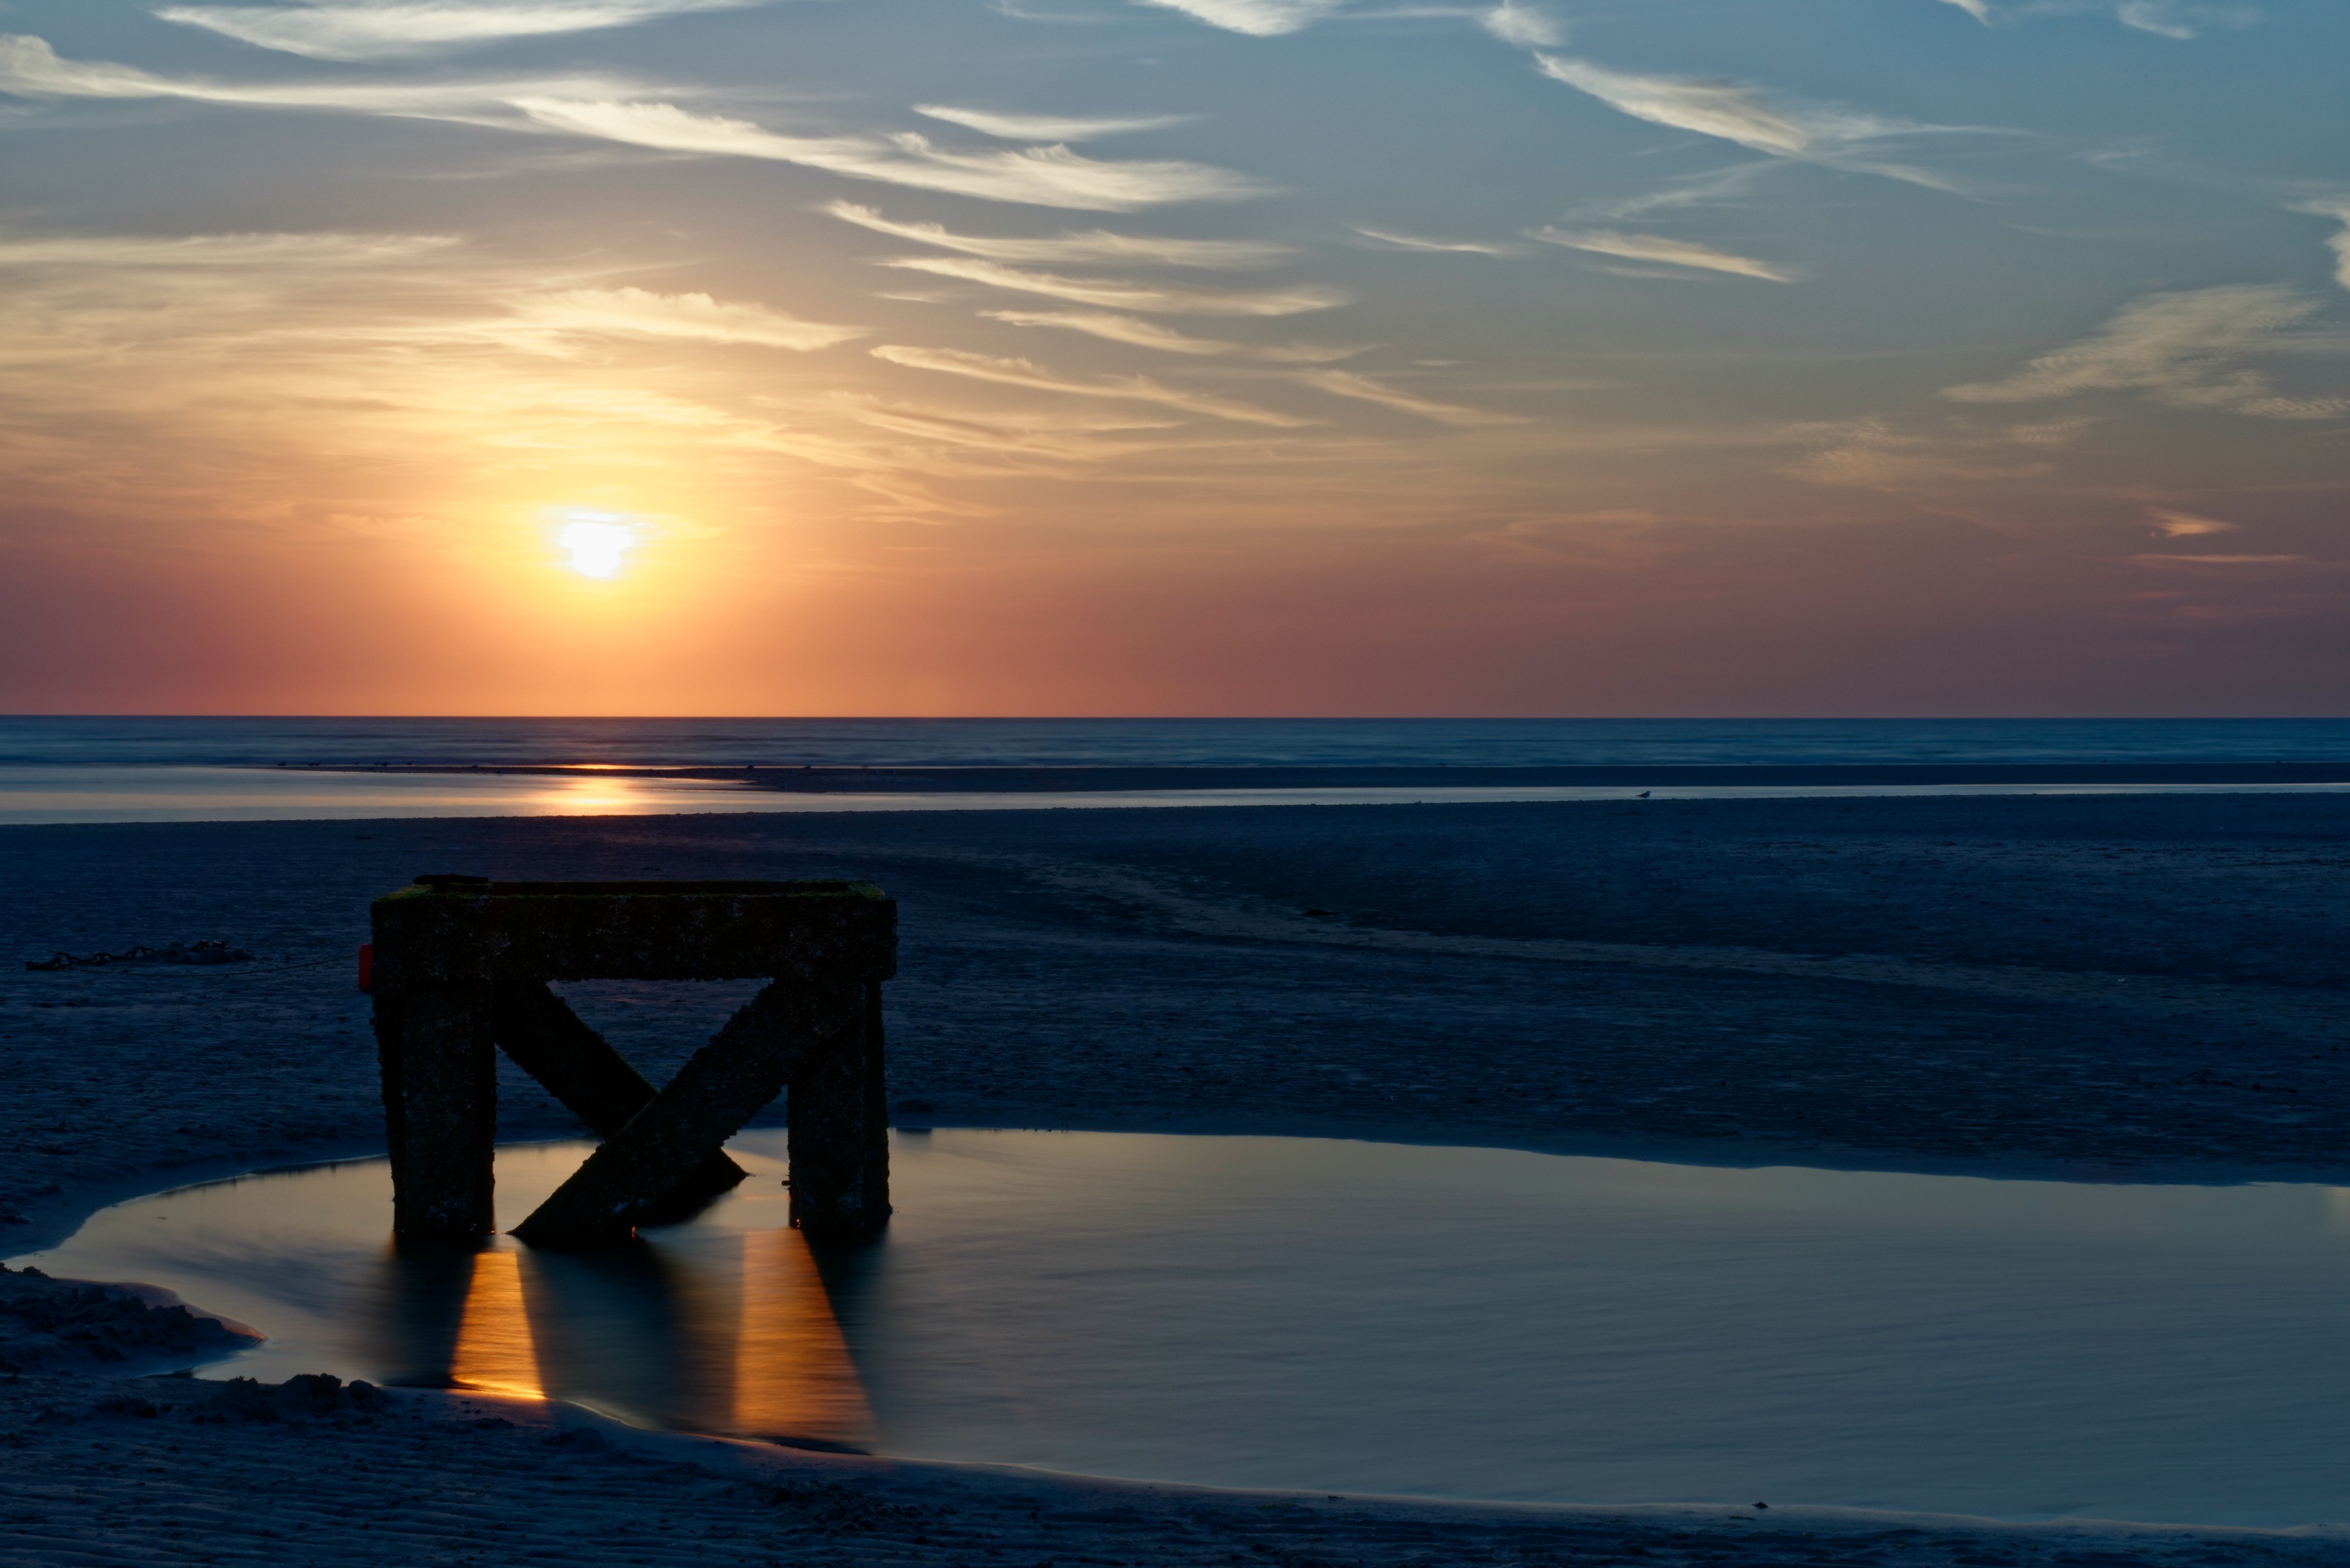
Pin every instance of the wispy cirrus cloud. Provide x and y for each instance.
(1874, 454)
(1096, 245)
(1403, 242)
(697, 318)
(1035, 176)
(1062, 437)
(1042, 127)
(281, 355)
(1257, 18)
(389, 29)
(1346, 384)
(1130, 388)
(1726, 110)
(2185, 525)
(1737, 113)
(1140, 334)
(1523, 26)
(29, 67)
(531, 317)
(1733, 184)
(2182, 350)
(1125, 293)
(916, 502)
(2216, 560)
(2182, 19)
(2338, 208)
(97, 306)
(1658, 248)
(80, 251)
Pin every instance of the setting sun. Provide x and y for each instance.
(597, 547)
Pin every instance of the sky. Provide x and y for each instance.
(1175, 357)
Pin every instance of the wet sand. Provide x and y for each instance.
(2132, 987)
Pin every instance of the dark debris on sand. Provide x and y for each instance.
(199, 952)
(46, 1322)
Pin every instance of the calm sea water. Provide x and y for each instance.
(1167, 742)
(65, 771)
(1356, 1317)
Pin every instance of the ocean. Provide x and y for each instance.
(79, 770)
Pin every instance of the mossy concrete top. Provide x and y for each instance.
(446, 930)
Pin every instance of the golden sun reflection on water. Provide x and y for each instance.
(735, 1333)
(598, 795)
(495, 1352)
(792, 1375)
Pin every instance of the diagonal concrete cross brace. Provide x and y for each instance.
(776, 1039)
(578, 1066)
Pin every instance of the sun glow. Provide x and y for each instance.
(597, 544)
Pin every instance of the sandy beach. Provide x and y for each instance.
(2142, 989)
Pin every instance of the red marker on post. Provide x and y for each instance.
(367, 966)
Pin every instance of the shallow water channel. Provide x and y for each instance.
(1358, 1317)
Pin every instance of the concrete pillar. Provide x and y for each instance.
(440, 1109)
(839, 1118)
(877, 1109)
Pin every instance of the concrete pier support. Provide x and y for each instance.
(462, 966)
(839, 1114)
(440, 1110)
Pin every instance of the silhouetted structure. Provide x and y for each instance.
(461, 969)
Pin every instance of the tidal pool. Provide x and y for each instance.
(1358, 1317)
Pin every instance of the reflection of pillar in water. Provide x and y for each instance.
(410, 1330)
(495, 1350)
(639, 1332)
(793, 1376)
